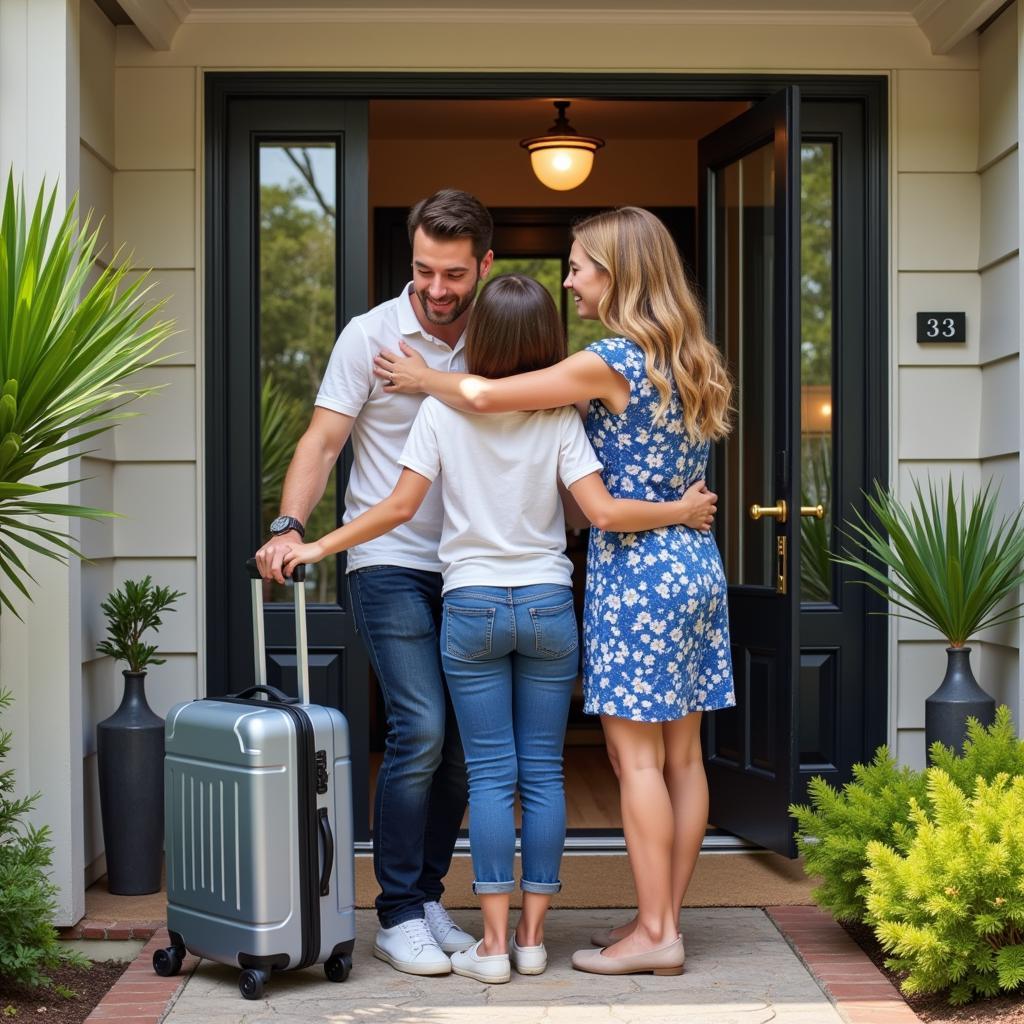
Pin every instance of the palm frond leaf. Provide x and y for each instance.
(68, 353)
(943, 558)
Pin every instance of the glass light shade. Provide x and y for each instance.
(562, 167)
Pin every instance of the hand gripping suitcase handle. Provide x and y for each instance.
(259, 636)
(327, 836)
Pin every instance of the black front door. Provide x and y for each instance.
(287, 269)
(795, 305)
(749, 230)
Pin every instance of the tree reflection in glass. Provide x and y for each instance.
(297, 251)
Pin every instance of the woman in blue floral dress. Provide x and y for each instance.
(656, 636)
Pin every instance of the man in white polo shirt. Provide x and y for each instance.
(396, 580)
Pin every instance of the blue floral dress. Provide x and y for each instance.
(655, 622)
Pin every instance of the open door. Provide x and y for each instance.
(749, 269)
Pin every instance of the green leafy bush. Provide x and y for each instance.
(833, 832)
(951, 908)
(29, 946)
(987, 752)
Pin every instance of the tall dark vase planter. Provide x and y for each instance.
(130, 752)
(958, 697)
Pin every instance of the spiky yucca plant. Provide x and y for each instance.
(944, 560)
(66, 351)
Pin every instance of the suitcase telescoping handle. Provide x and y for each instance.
(259, 639)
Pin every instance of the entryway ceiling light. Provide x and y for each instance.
(562, 158)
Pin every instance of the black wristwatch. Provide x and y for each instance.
(282, 524)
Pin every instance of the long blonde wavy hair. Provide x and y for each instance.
(649, 301)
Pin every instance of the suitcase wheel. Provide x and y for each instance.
(337, 967)
(250, 983)
(167, 962)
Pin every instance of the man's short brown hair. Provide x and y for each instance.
(451, 213)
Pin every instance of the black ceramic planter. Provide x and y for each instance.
(130, 753)
(958, 698)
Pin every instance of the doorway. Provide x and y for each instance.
(344, 141)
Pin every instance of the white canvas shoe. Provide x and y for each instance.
(448, 935)
(527, 959)
(411, 948)
(491, 970)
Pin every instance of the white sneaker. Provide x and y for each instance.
(492, 970)
(409, 947)
(448, 935)
(527, 959)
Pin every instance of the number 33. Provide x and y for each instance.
(940, 328)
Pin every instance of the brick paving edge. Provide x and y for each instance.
(860, 992)
(140, 994)
(98, 928)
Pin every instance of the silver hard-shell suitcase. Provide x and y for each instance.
(258, 826)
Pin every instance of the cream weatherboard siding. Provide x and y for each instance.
(999, 271)
(145, 468)
(96, 194)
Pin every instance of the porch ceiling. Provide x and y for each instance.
(944, 22)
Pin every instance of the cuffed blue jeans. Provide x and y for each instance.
(510, 656)
(421, 787)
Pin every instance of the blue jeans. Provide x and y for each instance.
(421, 787)
(510, 656)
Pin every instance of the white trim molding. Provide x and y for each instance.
(157, 20)
(948, 22)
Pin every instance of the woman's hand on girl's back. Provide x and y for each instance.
(698, 507)
(402, 374)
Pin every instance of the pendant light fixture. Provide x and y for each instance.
(562, 158)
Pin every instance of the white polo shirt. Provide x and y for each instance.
(503, 519)
(382, 424)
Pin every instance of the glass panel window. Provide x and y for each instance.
(744, 269)
(297, 251)
(817, 393)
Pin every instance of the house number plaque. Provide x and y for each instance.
(941, 327)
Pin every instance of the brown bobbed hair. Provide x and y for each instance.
(451, 213)
(514, 328)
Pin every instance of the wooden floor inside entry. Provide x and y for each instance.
(591, 789)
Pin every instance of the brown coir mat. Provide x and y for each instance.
(588, 881)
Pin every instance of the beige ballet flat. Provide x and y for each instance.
(666, 960)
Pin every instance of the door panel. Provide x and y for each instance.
(294, 271)
(749, 250)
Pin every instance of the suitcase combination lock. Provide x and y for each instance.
(321, 772)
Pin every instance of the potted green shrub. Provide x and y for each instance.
(947, 563)
(130, 743)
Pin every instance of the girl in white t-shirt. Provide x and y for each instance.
(509, 641)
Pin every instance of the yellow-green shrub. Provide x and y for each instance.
(950, 909)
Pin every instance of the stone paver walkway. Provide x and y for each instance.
(739, 970)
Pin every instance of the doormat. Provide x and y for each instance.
(593, 881)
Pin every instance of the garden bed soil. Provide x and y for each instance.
(935, 1009)
(44, 1006)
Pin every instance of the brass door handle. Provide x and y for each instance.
(778, 511)
(818, 511)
